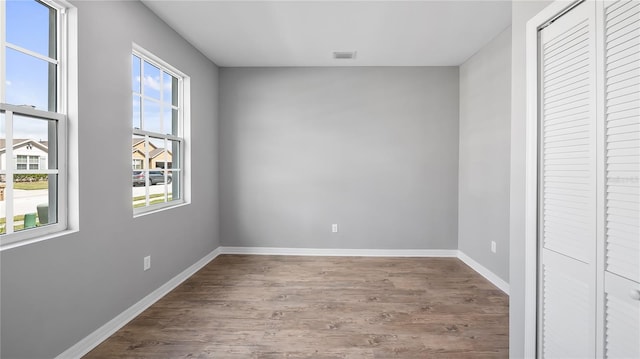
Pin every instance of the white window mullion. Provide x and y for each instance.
(32, 53)
(166, 171)
(37, 172)
(161, 101)
(61, 97)
(9, 173)
(147, 170)
(153, 134)
(3, 55)
(141, 93)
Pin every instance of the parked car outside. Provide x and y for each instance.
(155, 177)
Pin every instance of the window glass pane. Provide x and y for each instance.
(167, 82)
(175, 123)
(3, 135)
(3, 184)
(151, 119)
(174, 91)
(32, 195)
(157, 195)
(136, 112)
(31, 25)
(28, 81)
(136, 163)
(173, 186)
(174, 154)
(138, 151)
(21, 162)
(3, 142)
(139, 178)
(138, 196)
(167, 120)
(157, 153)
(135, 67)
(156, 187)
(34, 162)
(151, 81)
(31, 143)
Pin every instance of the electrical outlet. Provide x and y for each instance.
(334, 228)
(493, 246)
(147, 263)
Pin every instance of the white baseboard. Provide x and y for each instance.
(330, 252)
(483, 271)
(101, 334)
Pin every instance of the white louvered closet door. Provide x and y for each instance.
(568, 185)
(622, 114)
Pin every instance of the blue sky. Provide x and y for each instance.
(27, 26)
(153, 87)
(26, 82)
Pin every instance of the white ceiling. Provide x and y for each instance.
(306, 33)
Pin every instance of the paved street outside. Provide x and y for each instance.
(155, 189)
(26, 201)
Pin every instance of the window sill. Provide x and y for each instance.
(45, 237)
(151, 210)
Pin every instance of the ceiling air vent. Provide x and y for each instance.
(344, 55)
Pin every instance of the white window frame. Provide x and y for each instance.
(57, 199)
(66, 102)
(181, 137)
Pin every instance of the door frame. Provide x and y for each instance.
(539, 21)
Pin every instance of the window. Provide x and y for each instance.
(137, 164)
(24, 162)
(33, 105)
(21, 163)
(157, 144)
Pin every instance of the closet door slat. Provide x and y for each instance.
(622, 100)
(622, 317)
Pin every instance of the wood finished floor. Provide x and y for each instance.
(241, 306)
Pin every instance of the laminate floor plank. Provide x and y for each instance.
(295, 307)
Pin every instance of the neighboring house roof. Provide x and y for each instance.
(157, 151)
(20, 142)
(136, 141)
(153, 154)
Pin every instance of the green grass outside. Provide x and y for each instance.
(18, 218)
(31, 185)
(138, 198)
(24, 186)
(17, 227)
(156, 201)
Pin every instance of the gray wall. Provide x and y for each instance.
(372, 149)
(483, 189)
(54, 293)
(522, 11)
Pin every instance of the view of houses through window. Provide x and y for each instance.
(156, 143)
(32, 120)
